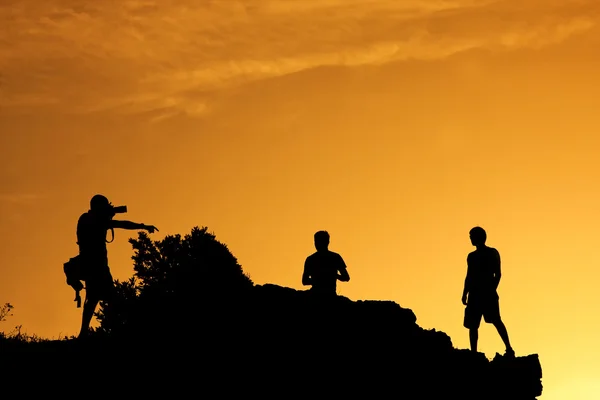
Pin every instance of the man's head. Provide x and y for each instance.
(100, 205)
(321, 240)
(478, 236)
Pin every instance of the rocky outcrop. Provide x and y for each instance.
(280, 342)
(378, 345)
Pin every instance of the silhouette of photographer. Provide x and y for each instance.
(324, 268)
(480, 295)
(92, 228)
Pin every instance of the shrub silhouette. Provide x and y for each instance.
(5, 311)
(176, 281)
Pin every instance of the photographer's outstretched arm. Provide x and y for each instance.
(131, 225)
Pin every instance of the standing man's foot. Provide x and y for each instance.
(510, 352)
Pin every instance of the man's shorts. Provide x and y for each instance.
(489, 309)
(99, 283)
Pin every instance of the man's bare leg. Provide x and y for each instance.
(504, 336)
(89, 306)
(473, 337)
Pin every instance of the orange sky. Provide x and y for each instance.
(395, 125)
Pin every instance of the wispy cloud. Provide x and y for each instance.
(19, 198)
(140, 56)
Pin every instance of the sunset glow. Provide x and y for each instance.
(396, 126)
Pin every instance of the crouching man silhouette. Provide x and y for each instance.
(480, 294)
(92, 228)
(324, 268)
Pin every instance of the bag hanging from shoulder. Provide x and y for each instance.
(73, 272)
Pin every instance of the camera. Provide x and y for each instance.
(119, 209)
(116, 210)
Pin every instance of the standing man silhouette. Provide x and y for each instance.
(92, 228)
(324, 268)
(480, 295)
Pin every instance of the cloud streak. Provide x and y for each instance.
(12, 199)
(140, 56)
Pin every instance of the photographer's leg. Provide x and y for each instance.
(89, 306)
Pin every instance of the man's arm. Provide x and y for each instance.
(467, 286)
(306, 278)
(343, 271)
(497, 269)
(131, 225)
